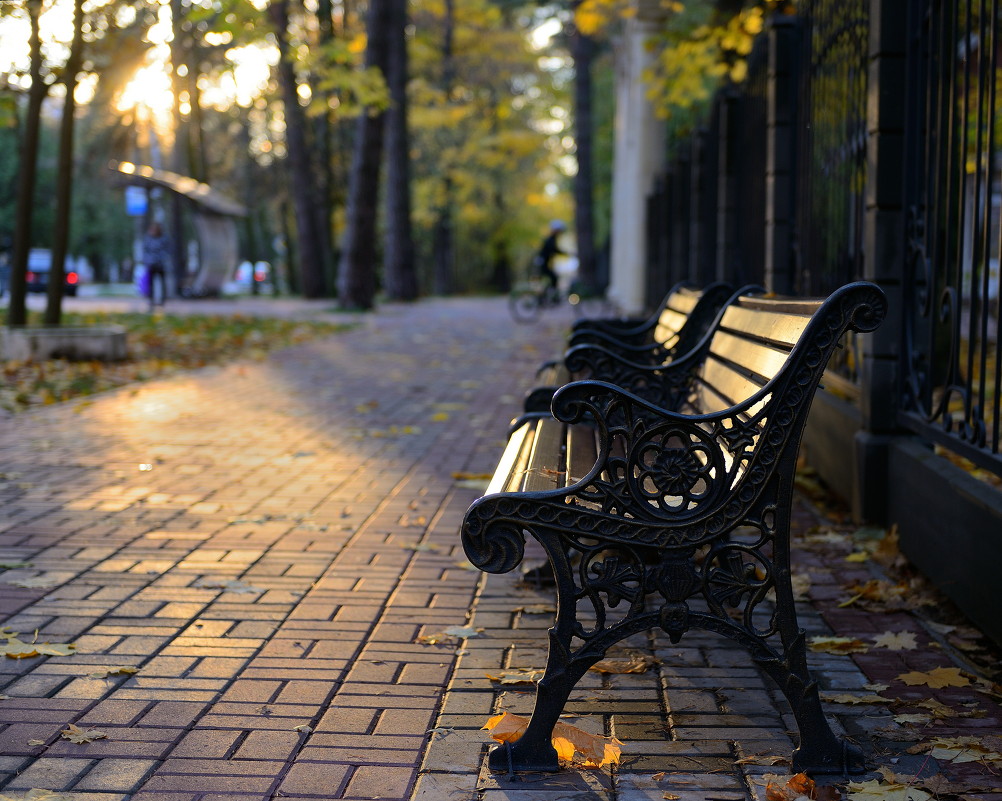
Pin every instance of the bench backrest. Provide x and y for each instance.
(751, 343)
(677, 308)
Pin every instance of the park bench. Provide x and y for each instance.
(674, 515)
(603, 349)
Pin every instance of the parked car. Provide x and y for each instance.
(39, 266)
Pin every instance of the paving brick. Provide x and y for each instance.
(369, 781)
(314, 779)
(115, 775)
(50, 774)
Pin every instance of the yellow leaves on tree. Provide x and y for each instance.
(594, 749)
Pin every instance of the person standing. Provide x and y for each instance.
(156, 255)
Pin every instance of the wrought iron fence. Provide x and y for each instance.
(832, 145)
(952, 365)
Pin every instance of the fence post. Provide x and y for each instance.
(780, 166)
(729, 145)
(884, 246)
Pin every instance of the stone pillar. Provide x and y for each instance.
(781, 107)
(884, 249)
(638, 158)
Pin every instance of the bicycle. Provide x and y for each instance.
(528, 300)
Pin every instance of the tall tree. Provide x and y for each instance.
(16, 311)
(443, 234)
(400, 274)
(310, 250)
(64, 173)
(357, 276)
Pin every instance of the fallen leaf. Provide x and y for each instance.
(567, 739)
(464, 632)
(858, 556)
(34, 583)
(876, 791)
(849, 698)
(440, 417)
(940, 677)
(228, 586)
(916, 719)
(962, 749)
(114, 670)
(635, 663)
(838, 645)
(34, 743)
(763, 759)
(303, 728)
(422, 546)
(15, 648)
(36, 794)
(905, 641)
(80, 736)
(939, 710)
(536, 609)
(530, 676)
(797, 787)
(473, 476)
(13, 565)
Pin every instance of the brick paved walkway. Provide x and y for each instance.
(266, 542)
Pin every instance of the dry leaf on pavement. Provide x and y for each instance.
(940, 677)
(634, 663)
(792, 788)
(838, 645)
(763, 759)
(15, 648)
(850, 698)
(80, 736)
(904, 641)
(987, 750)
(878, 791)
(114, 670)
(36, 794)
(567, 739)
(528, 676)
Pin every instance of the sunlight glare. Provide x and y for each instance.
(150, 87)
(541, 35)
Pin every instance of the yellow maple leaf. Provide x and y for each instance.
(634, 663)
(568, 740)
(879, 791)
(905, 641)
(80, 736)
(114, 670)
(940, 677)
(15, 648)
(838, 645)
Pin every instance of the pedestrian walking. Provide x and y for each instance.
(156, 254)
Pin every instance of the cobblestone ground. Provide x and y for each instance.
(266, 543)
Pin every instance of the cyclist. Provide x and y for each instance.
(549, 250)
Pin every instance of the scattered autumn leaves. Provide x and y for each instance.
(158, 346)
(570, 741)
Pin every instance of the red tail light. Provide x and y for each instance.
(72, 278)
(30, 276)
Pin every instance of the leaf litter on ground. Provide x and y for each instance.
(158, 346)
(81, 736)
(595, 750)
(16, 648)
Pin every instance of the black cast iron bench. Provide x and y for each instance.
(674, 514)
(602, 349)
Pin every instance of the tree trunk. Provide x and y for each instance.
(323, 126)
(443, 242)
(16, 312)
(400, 272)
(582, 51)
(357, 279)
(301, 170)
(64, 175)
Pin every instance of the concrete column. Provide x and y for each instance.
(638, 157)
(781, 102)
(884, 248)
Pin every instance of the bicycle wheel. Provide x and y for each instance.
(524, 305)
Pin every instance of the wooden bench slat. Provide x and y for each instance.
(545, 467)
(771, 325)
(751, 356)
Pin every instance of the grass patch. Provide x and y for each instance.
(159, 345)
